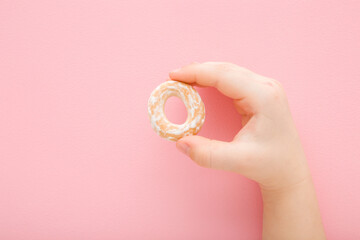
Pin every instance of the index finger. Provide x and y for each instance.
(230, 79)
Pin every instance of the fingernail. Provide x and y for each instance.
(183, 147)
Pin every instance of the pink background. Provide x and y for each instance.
(78, 158)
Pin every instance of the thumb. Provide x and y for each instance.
(208, 153)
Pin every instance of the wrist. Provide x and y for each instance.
(289, 175)
(270, 194)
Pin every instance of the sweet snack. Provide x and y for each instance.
(193, 103)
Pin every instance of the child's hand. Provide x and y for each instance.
(267, 149)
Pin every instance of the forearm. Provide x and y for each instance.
(292, 213)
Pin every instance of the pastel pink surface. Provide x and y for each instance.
(78, 157)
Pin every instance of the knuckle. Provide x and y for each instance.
(274, 91)
(242, 69)
(276, 82)
(225, 67)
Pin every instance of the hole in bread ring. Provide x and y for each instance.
(192, 101)
(175, 110)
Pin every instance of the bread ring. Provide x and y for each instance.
(194, 105)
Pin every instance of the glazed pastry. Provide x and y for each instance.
(193, 103)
